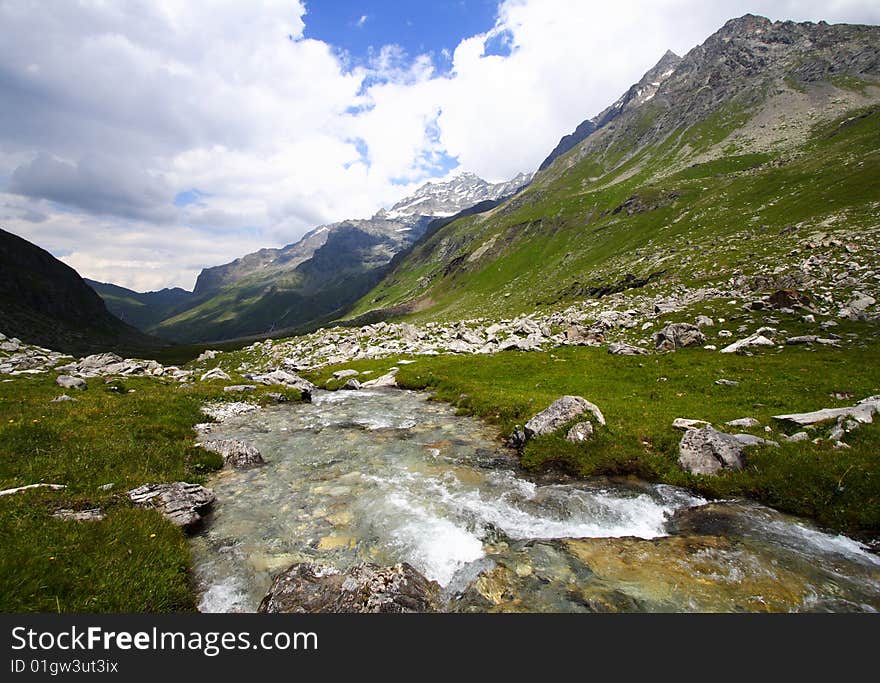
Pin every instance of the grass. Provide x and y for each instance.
(134, 560)
(641, 396)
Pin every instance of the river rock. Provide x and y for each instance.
(308, 588)
(69, 382)
(236, 454)
(677, 336)
(181, 503)
(560, 412)
(707, 451)
(582, 431)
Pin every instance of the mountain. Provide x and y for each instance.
(45, 302)
(141, 309)
(714, 169)
(641, 92)
(305, 284)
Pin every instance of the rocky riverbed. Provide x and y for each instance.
(389, 478)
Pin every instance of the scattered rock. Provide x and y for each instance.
(726, 382)
(308, 588)
(19, 489)
(92, 515)
(621, 349)
(69, 382)
(751, 341)
(684, 423)
(181, 503)
(744, 422)
(239, 388)
(386, 380)
(236, 454)
(342, 374)
(216, 373)
(862, 412)
(803, 339)
(560, 412)
(61, 399)
(704, 321)
(582, 431)
(677, 336)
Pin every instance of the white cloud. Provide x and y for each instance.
(112, 109)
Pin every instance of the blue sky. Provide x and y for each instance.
(363, 27)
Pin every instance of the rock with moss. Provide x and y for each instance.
(559, 413)
(309, 588)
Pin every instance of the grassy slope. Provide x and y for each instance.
(133, 561)
(701, 224)
(641, 396)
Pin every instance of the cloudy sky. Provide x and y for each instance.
(142, 140)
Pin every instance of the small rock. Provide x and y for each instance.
(62, 399)
(744, 422)
(726, 382)
(684, 423)
(216, 373)
(620, 349)
(239, 388)
(752, 341)
(351, 385)
(795, 438)
(678, 335)
(69, 382)
(342, 374)
(582, 431)
(92, 515)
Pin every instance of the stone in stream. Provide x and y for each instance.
(181, 503)
(707, 451)
(236, 454)
(308, 588)
(677, 336)
(560, 412)
(69, 382)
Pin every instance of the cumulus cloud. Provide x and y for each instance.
(111, 110)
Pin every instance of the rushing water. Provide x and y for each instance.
(388, 476)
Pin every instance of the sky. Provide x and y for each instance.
(143, 140)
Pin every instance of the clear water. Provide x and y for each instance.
(388, 476)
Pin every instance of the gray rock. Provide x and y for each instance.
(181, 503)
(91, 515)
(803, 339)
(560, 412)
(751, 341)
(726, 382)
(684, 423)
(236, 454)
(621, 349)
(239, 388)
(386, 380)
(677, 336)
(862, 412)
(285, 378)
(342, 374)
(582, 431)
(707, 451)
(583, 336)
(308, 588)
(704, 321)
(215, 373)
(799, 436)
(69, 382)
(744, 422)
(351, 385)
(62, 399)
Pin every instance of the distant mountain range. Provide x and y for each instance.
(304, 284)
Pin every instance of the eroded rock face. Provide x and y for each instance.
(236, 454)
(181, 503)
(308, 588)
(678, 336)
(560, 412)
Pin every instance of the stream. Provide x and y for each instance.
(388, 476)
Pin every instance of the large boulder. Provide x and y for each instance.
(181, 503)
(236, 454)
(678, 336)
(560, 412)
(308, 588)
(707, 451)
